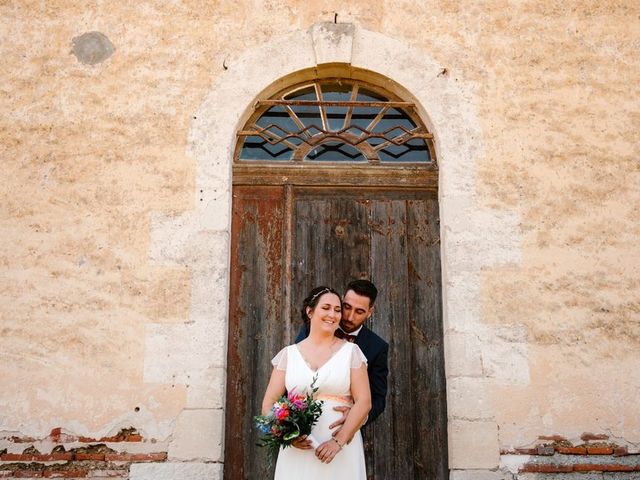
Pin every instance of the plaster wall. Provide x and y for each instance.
(116, 196)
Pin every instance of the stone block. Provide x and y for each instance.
(198, 435)
(206, 390)
(461, 297)
(174, 471)
(182, 354)
(505, 356)
(473, 445)
(467, 398)
(564, 476)
(463, 355)
(480, 475)
(332, 42)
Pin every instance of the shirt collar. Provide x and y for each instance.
(355, 332)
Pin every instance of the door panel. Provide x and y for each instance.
(425, 318)
(389, 236)
(330, 244)
(256, 329)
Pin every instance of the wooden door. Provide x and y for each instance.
(285, 241)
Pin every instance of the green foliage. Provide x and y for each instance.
(292, 415)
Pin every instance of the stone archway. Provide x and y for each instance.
(471, 238)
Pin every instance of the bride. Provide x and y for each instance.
(342, 379)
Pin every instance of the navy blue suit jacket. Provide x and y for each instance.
(376, 350)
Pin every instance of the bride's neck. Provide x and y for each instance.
(321, 338)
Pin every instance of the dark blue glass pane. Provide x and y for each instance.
(257, 148)
(414, 150)
(335, 152)
(394, 118)
(365, 95)
(332, 92)
(363, 116)
(309, 116)
(308, 93)
(335, 117)
(277, 116)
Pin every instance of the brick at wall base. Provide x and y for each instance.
(117, 465)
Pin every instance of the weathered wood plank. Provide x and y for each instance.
(393, 431)
(349, 241)
(256, 330)
(425, 318)
(347, 175)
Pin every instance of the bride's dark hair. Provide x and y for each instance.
(313, 298)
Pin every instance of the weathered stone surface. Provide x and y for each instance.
(176, 470)
(198, 435)
(468, 398)
(92, 48)
(480, 475)
(473, 445)
(116, 196)
(466, 348)
(567, 476)
(332, 42)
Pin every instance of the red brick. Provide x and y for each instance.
(553, 438)
(30, 457)
(98, 457)
(572, 450)
(599, 450)
(27, 474)
(111, 439)
(55, 434)
(12, 457)
(620, 451)
(599, 467)
(527, 451)
(134, 437)
(87, 439)
(545, 468)
(616, 467)
(586, 436)
(135, 457)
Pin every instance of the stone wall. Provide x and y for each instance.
(117, 130)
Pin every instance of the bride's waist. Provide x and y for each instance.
(339, 399)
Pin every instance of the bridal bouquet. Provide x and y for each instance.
(292, 416)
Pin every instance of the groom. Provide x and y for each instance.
(357, 307)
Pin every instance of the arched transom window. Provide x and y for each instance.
(341, 126)
(334, 121)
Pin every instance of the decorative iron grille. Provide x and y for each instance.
(335, 121)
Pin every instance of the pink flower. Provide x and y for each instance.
(281, 411)
(297, 400)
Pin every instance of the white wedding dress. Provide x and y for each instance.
(334, 388)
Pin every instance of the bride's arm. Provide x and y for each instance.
(275, 389)
(361, 405)
(355, 418)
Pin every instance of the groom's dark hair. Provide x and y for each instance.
(364, 288)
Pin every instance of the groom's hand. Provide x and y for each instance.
(302, 443)
(338, 423)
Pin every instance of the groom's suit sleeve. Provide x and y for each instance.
(302, 334)
(378, 371)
